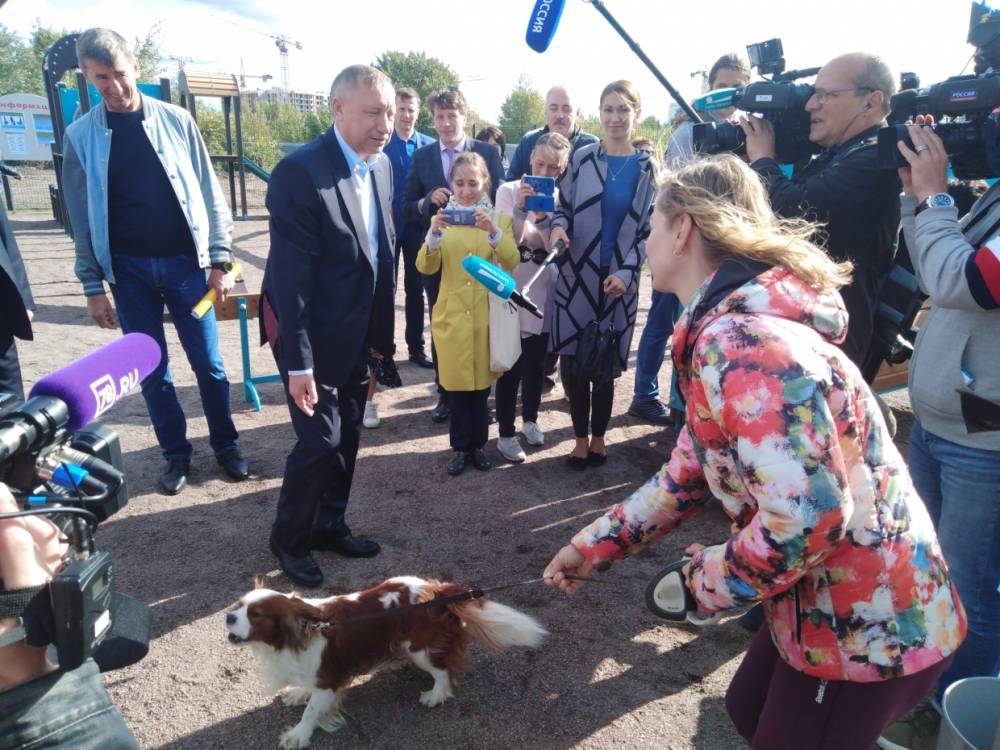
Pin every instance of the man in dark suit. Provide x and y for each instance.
(428, 185)
(16, 308)
(327, 296)
(405, 141)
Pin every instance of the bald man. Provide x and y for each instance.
(843, 186)
(560, 117)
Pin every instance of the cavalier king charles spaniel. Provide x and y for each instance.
(311, 649)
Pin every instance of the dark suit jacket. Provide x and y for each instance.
(318, 280)
(427, 175)
(15, 294)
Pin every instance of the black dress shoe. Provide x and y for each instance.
(421, 359)
(347, 545)
(174, 478)
(458, 463)
(479, 460)
(300, 568)
(441, 412)
(235, 466)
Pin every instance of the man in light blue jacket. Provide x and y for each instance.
(150, 219)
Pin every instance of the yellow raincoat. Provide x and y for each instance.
(460, 319)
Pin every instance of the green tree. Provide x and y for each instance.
(260, 144)
(522, 110)
(16, 74)
(420, 72)
(147, 50)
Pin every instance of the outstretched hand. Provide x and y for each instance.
(567, 562)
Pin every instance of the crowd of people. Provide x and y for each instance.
(878, 576)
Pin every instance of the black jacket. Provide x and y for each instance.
(318, 280)
(15, 294)
(427, 174)
(858, 201)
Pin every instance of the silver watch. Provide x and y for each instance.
(937, 200)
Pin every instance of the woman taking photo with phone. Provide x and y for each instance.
(603, 217)
(460, 323)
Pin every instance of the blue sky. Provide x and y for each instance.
(484, 42)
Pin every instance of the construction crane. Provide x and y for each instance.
(281, 41)
(264, 78)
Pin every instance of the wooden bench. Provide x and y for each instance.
(241, 305)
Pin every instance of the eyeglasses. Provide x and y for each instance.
(825, 95)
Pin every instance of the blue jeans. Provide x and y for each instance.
(143, 286)
(961, 488)
(63, 710)
(663, 311)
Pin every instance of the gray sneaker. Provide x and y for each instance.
(533, 434)
(651, 411)
(510, 449)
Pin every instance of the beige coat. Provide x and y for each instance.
(460, 319)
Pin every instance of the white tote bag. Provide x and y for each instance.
(505, 333)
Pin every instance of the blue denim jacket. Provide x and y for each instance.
(175, 136)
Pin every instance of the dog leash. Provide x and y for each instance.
(465, 596)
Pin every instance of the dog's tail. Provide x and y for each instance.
(497, 626)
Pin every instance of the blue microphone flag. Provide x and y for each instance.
(496, 280)
(718, 99)
(542, 24)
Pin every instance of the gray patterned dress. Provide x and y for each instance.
(578, 298)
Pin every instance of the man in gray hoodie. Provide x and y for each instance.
(955, 388)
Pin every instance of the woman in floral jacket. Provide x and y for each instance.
(781, 428)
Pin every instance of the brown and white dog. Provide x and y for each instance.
(310, 649)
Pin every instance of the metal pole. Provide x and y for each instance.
(688, 110)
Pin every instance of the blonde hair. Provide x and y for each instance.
(727, 202)
(474, 160)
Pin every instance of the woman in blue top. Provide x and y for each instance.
(603, 215)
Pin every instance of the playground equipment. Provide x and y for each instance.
(225, 87)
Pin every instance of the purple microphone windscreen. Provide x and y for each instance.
(542, 24)
(93, 384)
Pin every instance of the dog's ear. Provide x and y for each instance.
(258, 582)
(299, 624)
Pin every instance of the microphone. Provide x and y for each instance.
(498, 282)
(542, 24)
(718, 99)
(93, 384)
(557, 249)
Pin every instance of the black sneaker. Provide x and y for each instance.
(458, 463)
(651, 411)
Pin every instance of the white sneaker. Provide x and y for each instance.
(371, 420)
(533, 434)
(510, 449)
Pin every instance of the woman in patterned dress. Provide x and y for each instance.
(828, 531)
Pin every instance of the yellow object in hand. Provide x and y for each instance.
(201, 308)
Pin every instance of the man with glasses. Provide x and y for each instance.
(843, 186)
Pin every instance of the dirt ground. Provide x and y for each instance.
(611, 675)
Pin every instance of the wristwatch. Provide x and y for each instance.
(225, 266)
(938, 200)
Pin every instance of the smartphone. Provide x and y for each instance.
(460, 216)
(544, 203)
(542, 185)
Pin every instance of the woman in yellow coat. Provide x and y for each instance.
(460, 319)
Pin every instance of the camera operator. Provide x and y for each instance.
(41, 706)
(843, 187)
(954, 382)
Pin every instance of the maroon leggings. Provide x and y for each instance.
(777, 708)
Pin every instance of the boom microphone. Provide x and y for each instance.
(93, 384)
(498, 282)
(542, 25)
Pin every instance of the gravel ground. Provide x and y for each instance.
(611, 675)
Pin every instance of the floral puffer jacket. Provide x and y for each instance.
(828, 530)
